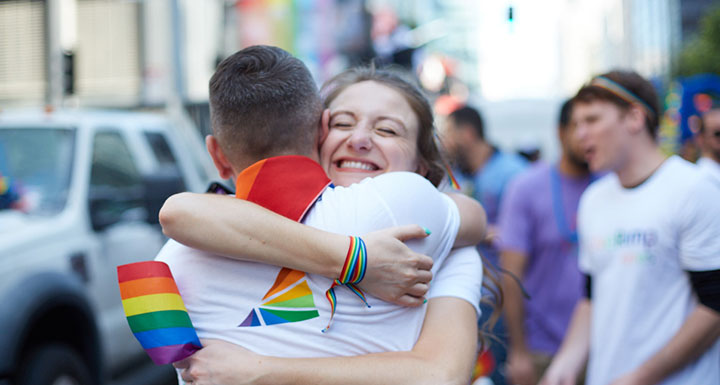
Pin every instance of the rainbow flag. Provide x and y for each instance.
(484, 366)
(155, 311)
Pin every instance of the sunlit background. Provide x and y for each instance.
(516, 60)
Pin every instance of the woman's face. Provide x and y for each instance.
(373, 130)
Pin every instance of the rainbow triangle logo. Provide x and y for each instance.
(288, 300)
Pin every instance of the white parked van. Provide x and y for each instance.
(91, 184)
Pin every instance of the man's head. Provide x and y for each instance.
(572, 150)
(708, 136)
(263, 102)
(616, 114)
(463, 131)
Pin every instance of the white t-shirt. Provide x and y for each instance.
(225, 297)
(460, 276)
(710, 167)
(638, 244)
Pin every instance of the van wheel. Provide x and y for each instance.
(54, 364)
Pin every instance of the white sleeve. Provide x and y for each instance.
(412, 199)
(460, 276)
(584, 259)
(699, 232)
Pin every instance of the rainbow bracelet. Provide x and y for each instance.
(352, 273)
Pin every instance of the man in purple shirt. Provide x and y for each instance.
(538, 244)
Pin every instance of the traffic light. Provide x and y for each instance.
(510, 15)
(68, 72)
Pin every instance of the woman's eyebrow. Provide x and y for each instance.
(341, 112)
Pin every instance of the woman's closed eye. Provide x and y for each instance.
(342, 125)
(387, 131)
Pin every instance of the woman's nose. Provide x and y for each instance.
(360, 140)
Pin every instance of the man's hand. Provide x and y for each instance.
(220, 363)
(395, 273)
(520, 369)
(559, 374)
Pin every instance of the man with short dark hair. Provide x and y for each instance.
(650, 245)
(708, 138)
(538, 243)
(485, 171)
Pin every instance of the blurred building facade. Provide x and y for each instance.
(506, 55)
(144, 53)
(645, 35)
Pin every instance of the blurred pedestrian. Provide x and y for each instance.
(538, 243)
(484, 173)
(708, 139)
(9, 196)
(485, 170)
(650, 245)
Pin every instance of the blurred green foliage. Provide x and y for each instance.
(702, 54)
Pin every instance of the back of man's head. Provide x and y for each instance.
(624, 89)
(264, 102)
(468, 116)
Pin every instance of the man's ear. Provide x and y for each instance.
(466, 133)
(324, 128)
(223, 166)
(637, 118)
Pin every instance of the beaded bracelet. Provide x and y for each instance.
(352, 273)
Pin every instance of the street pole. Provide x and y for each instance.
(53, 92)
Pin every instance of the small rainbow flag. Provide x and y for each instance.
(155, 311)
(484, 366)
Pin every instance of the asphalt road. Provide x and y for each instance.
(148, 374)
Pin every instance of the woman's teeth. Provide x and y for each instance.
(356, 164)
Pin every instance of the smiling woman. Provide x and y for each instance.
(373, 130)
(383, 103)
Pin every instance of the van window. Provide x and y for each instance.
(38, 162)
(161, 150)
(112, 162)
(116, 186)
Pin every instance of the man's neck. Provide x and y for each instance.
(641, 164)
(244, 163)
(479, 155)
(570, 168)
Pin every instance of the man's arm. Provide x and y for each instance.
(697, 334)
(573, 353)
(240, 229)
(444, 354)
(521, 369)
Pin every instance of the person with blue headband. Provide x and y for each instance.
(649, 243)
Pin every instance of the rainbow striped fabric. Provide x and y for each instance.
(155, 311)
(289, 186)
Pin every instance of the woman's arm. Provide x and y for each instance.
(473, 220)
(241, 229)
(444, 354)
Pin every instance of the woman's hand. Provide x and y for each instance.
(394, 272)
(220, 363)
